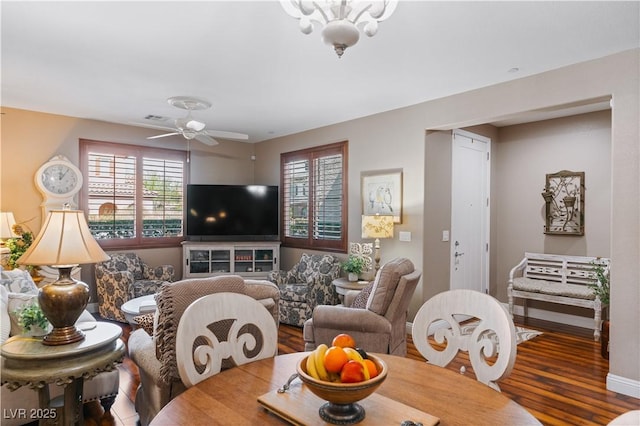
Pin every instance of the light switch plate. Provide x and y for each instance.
(405, 236)
(445, 235)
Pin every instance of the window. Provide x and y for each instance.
(314, 204)
(133, 195)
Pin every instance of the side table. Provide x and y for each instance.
(27, 362)
(140, 305)
(343, 285)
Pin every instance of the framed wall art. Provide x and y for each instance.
(564, 203)
(382, 193)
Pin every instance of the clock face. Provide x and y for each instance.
(59, 179)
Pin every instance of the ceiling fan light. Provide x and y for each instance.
(195, 125)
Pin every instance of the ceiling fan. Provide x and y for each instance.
(190, 128)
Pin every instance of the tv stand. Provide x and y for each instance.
(249, 259)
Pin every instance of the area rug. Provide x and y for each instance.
(522, 334)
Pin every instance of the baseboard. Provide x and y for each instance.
(623, 385)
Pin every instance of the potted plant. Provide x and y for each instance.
(353, 266)
(601, 289)
(17, 246)
(32, 320)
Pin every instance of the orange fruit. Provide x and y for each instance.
(371, 366)
(344, 340)
(334, 358)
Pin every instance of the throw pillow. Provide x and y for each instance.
(5, 321)
(360, 302)
(18, 281)
(145, 322)
(385, 284)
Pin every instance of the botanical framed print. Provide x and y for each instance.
(381, 193)
(564, 203)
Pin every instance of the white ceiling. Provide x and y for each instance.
(120, 61)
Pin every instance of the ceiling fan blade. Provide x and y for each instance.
(152, 126)
(205, 139)
(164, 135)
(226, 135)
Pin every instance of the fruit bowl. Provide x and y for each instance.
(342, 398)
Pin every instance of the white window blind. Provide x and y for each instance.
(133, 195)
(314, 202)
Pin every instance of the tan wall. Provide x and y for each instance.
(30, 139)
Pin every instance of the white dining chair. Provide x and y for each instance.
(493, 336)
(223, 330)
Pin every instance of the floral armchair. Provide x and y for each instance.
(306, 285)
(123, 277)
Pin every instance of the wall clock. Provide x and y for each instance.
(59, 180)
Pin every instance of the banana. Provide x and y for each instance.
(319, 358)
(352, 354)
(311, 365)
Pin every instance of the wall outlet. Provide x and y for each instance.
(405, 236)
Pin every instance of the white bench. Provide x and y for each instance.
(557, 279)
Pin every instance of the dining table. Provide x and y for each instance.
(442, 395)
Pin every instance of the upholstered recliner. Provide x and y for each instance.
(123, 277)
(375, 317)
(103, 387)
(155, 354)
(306, 285)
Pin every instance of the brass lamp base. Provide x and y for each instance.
(62, 303)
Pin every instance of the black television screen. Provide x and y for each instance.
(232, 212)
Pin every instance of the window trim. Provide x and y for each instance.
(310, 154)
(86, 145)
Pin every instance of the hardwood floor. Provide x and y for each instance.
(558, 376)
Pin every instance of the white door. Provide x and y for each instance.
(469, 236)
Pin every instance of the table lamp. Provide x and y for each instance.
(63, 243)
(7, 221)
(377, 226)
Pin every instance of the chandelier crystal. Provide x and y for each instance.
(342, 19)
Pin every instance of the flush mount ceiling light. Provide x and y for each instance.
(342, 19)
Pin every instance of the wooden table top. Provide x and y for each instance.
(231, 396)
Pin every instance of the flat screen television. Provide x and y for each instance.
(232, 213)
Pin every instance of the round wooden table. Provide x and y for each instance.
(231, 397)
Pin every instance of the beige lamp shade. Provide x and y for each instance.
(7, 221)
(377, 226)
(65, 239)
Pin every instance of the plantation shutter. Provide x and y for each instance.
(133, 195)
(313, 197)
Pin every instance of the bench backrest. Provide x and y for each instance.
(562, 269)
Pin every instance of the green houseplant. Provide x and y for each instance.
(354, 266)
(601, 289)
(601, 286)
(32, 319)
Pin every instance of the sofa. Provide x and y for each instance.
(126, 276)
(154, 350)
(376, 317)
(17, 289)
(305, 286)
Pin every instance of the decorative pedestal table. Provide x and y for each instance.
(343, 285)
(27, 362)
